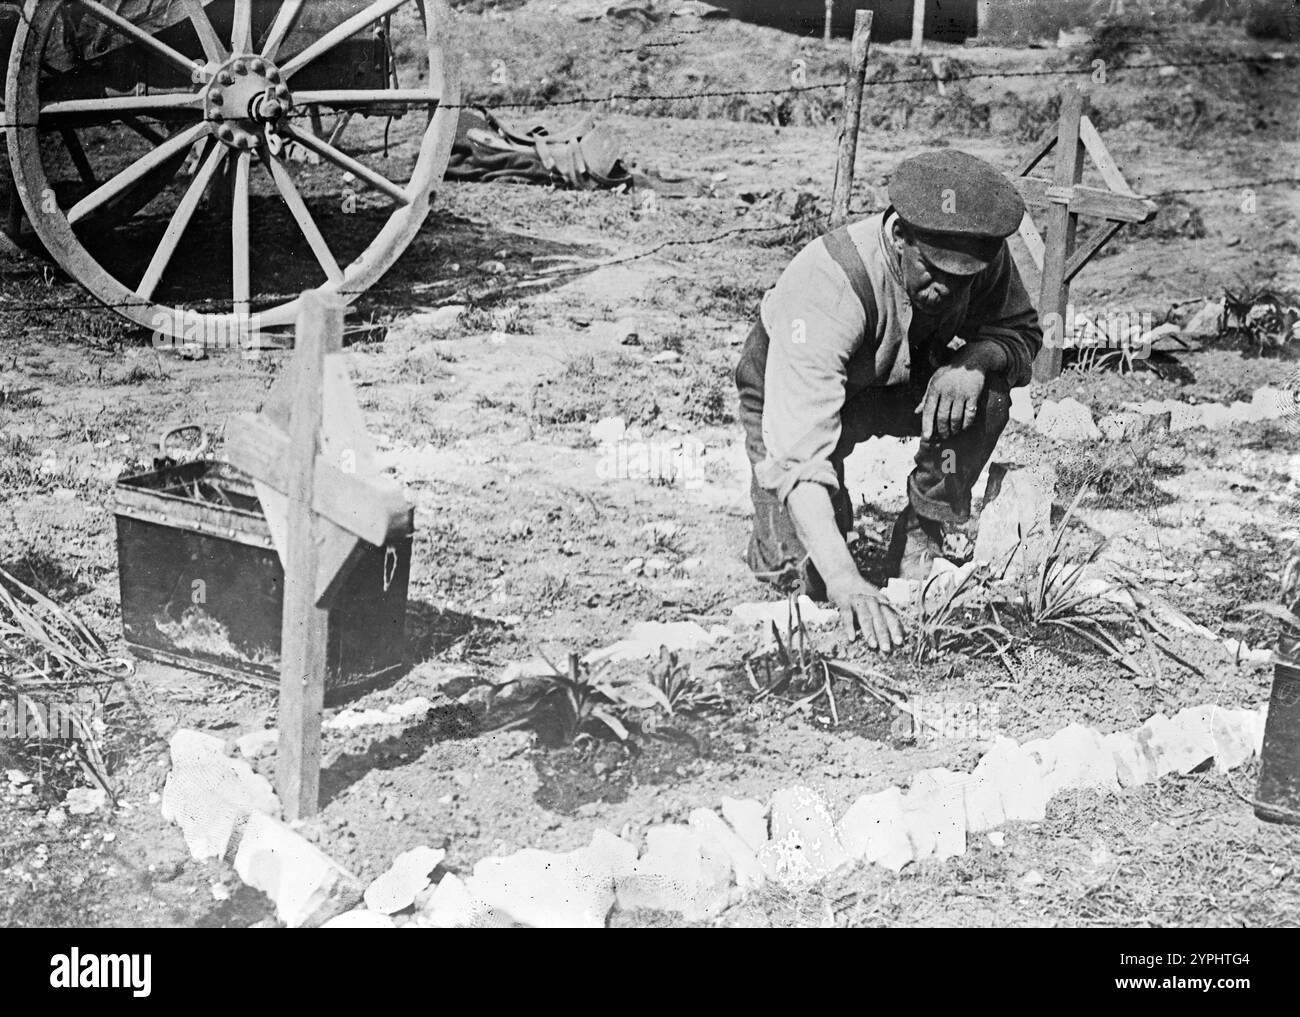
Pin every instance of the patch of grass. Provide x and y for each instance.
(736, 301)
(1125, 479)
(710, 398)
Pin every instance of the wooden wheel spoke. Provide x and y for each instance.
(281, 27)
(119, 104)
(179, 222)
(160, 49)
(78, 155)
(336, 35)
(208, 38)
(241, 31)
(362, 96)
(346, 163)
(136, 171)
(241, 239)
(302, 215)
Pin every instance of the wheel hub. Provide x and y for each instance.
(246, 96)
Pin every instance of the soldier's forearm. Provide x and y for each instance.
(984, 355)
(814, 521)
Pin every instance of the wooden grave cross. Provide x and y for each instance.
(316, 473)
(1049, 264)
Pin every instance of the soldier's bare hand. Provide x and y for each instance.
(951, 401)
(861, 603)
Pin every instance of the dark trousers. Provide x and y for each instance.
(938, 488)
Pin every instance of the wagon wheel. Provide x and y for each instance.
(224, 270)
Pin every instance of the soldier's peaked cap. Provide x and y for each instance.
(956, 203)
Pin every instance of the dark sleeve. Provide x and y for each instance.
(1000, 312)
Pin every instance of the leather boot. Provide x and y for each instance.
(915, 544)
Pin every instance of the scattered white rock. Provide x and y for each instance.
(646, 639)
(453, 906)
(1074, 758)
(1134, 766)
(17, 777)
(82, 801)
(522, 670)
(1192, 746)
(748, 817)
(666, 357)
(410, 873)
(257, 743)
(1015, 774)
(804, 845)
(1015, 518)
(765, 613)
(544, 890)
(934, 813)
(351, 720)
(721, 840)
(874, 830)
(1068, 420)
(997, 838)
(360, 919)
(208, 794)
(306, 885)
(1233, 732)
(1022, 406)
(1204, 324)
(676, 873)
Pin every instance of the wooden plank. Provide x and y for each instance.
(918, 25)
(1101, 157)
(1039, 152)
(1062, 221)
(1027, 250)
(305, 629)
(830, 17)
(347, 444)
(1084, 254)
(1084, 200)
(861, 50)
(372, 508)
(1032, 239)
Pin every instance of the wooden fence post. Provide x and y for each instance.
(861, 50)
(830, 14)
(918, 25)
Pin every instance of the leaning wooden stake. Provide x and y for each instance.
(305, 623)
(858, 55)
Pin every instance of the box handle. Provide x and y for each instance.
(199, 445)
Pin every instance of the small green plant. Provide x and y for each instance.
(1056, 600)
(682, 691)
(581, 702)
(797, 668)
(961, 618)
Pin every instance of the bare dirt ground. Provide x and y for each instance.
(522, 538)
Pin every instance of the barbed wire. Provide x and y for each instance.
(793, 226)
(791, 89)
(821, 218)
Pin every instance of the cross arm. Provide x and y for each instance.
(1082, 200)
(366, 507)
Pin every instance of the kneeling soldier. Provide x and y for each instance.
(855, 340)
